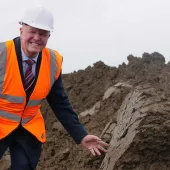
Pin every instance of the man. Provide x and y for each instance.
(29, 73)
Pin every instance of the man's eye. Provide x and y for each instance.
(41, 34)
(32, 32)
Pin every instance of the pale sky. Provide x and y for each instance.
(87, 31)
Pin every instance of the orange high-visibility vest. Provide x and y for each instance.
(14, 109)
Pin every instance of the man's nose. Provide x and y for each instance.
(37, 36)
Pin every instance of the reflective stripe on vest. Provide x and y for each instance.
(13, 99)
(10, 116)
(26, 120)
(3, 60)
(53, 67)
(15, 118)
(34, 102)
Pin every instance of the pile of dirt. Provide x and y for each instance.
(128, 107)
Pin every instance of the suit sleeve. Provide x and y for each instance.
(58, 101)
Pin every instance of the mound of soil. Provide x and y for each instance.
(128, 107)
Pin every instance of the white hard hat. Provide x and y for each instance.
(38, 17)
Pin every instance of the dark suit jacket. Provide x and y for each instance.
(58, 100)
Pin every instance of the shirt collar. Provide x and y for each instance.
(25, 57)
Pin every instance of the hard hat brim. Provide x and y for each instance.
(36, 26)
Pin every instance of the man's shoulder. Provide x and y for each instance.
(6, 44)
(54, 52)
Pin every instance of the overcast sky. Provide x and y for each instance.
(87, 31)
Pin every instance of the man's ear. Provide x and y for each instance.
(21, 30)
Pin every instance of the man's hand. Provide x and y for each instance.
(94, 144)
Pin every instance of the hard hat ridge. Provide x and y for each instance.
(38, 17)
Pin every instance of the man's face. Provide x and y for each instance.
(33, 40)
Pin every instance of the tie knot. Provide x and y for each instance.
(30, 62)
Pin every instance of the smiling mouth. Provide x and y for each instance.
(35, 44)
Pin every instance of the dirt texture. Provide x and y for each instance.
(128, 107)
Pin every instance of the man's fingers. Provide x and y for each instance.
(97, 151)
(102, 149)
(103, 143)
(97, 139)
(92, 152)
